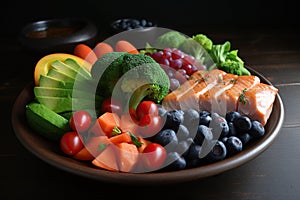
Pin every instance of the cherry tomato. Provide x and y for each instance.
(80, 121)
(153, 156)
(111, 105)
(71, 143)
(145, 108)
(149, 125)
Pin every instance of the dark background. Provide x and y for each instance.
(186, 15)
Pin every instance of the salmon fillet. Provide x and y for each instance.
(257, 102)
(221, 92)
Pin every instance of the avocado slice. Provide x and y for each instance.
(47, 81)
(54, 73)
(61, 66)
(81, 70)
(45, 121)
(64, 104)
(62, 92)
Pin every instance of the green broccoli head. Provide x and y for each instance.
(106, 71)
(143, 78)
(204, 41)
(130, 76)
(171, 39)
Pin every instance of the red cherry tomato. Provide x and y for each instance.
(80, 121)
(154, 156)
(149, 125)
(111, 105)
(145, 108)
(71, 143)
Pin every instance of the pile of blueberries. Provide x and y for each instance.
(195, 138)
(128, 24)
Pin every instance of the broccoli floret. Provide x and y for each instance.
(106, 71)
(204, 41)
(171, 39)
(135, 77)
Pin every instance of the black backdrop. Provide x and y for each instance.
(168, 13)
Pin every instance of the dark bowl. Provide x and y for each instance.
(126, 24)
(57, 35)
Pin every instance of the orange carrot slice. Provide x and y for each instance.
(92, 148)
(85, 52)
(123, 137)
(128, 155)
(109, 122)
(107, 159)
(125, 46)
(102, 48)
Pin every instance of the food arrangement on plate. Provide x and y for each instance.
(176, 104)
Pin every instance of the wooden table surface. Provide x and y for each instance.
(274, 174)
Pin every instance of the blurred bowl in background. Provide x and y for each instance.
(126, 24)
(57, 35)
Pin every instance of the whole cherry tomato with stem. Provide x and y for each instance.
(71, 143)
(154, 156)
(149, 125)
(145, 108)
(80, 121)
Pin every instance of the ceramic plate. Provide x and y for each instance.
(50, 152)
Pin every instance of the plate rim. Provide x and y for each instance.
(22, 131)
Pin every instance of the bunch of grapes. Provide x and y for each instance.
(178, 65)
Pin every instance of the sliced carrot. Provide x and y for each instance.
(128, 123)
(92, 148)
(102, 48)
(125, 46)
(108, 122)
(107, 159)
(85, 52)
(128, 155)
(123, 137)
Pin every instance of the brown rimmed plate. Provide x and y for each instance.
(50, 152)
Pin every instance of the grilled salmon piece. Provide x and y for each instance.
(171, 101)
(257, 102)
(233, 93)
(215, 100)
(187, 96)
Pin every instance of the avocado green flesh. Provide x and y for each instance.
(81, 70)
(66, 69)
(61, 92)
(45, 121)
(47, 81)
(64, 104)
(60, 75)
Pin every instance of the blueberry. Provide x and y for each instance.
(191, 117)
(231, 115)
(245, 138)
(193, 152)
(233, 145)
(167, 138)
(173, 119)
(204, 118)
(176, 161)
(219, 126)
(183, 132)
(203, 133)
(257, 129)
(232, 129)
(217, 153)
(242, 123)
